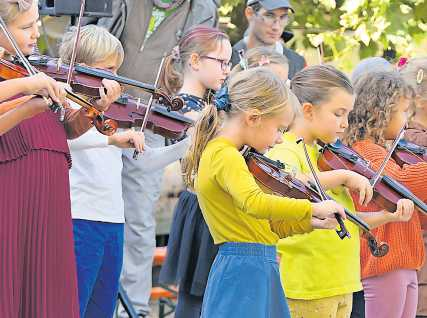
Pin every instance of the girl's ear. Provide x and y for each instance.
(194, 61)
(252, 117)
(308, 111)
(249, 13)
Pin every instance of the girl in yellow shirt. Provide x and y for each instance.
(244, 279)
(318, 270)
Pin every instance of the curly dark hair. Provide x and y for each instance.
(377, 95)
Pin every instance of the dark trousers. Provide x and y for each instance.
(188, 306)
(358, 310)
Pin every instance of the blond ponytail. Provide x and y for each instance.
(206, 128)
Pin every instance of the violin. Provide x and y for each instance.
(87, 80)
(387, 191)
(409, 153)
(129, 112)
(9, 70)
(271, 176)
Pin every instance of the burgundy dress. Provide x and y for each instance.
(37, 265)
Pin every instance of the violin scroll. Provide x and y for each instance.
(377, 250)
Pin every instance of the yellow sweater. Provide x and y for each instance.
(234, 206)
(318, 264)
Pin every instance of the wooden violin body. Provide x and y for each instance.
(88, 80)
(271, 176)
(409, 153)
(128, 112)
(9, 70)
(387, 191)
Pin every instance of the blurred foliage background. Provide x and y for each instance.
(348, 30)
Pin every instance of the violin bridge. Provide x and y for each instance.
(58, 65)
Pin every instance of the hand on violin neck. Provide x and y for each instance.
(360, 184)
(41, 84)
(108, 94)
(327, 209)
(128, 139)
(404, 211)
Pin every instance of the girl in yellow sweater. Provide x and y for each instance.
(244, 279)
(318, 270)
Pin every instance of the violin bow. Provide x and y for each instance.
(150, 104)
(377, 250)
(374, 180)
(32, 71)
(76, 43)
(342, 231)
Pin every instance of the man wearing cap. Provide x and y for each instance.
(267, 20)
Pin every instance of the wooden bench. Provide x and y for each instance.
(165, 295)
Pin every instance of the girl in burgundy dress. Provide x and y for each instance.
(37, 266)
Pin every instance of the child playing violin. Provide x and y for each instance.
(244, 279)
(95, 184)
(199, 63)
(38, 273)
(415, 74)
(319, 271)
(191, 250)
(380, 111)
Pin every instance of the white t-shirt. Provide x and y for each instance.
(95, 179)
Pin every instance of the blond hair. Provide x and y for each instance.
(415, 74)
(10, 10)
(257, 88)
(95, 44)
(254, 57)
(200, 40)
(377, 97)
(314, 84)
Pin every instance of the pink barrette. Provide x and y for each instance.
(402, 62)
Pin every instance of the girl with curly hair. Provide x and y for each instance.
(381, 109)
(415, 74)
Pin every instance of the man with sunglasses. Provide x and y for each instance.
(267, 20)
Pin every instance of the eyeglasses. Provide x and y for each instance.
(270, 19)
(225, 64)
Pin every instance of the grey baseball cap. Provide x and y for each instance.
(272, 4)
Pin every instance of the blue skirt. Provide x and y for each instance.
(244, 281)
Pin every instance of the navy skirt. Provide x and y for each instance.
(191, 250)
(245, 282)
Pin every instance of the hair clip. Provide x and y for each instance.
(175, 54)
(222, 99)
(402, 62)
(243, 61)
(420, 76)
(264, 60)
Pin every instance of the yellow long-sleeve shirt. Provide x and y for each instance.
(234, 206)
(317, 264)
